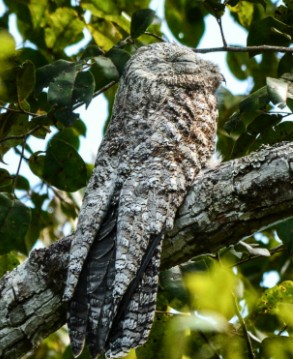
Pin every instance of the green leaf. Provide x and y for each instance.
(61, 90)
(276, 347)
(64, 28)
(65, 116)
(25, 80)
(119, 57)
(5, 178)
(154, 347)
(237, 63)
(104, 71)
(277, 90)
(185, 20)
(84, 88)
(255, 101)
(61, 166)
(285, 65)
(8, 262)
(68, 135)
(47, 74)
(244, 12)
(140, 21)
(12, 234)
(269, 31)
(91, 51)
(7, 46)
(285, 232)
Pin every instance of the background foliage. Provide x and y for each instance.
(215, 306)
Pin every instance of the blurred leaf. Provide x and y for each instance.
(140, 21)
(64, 28)
(61, 166)
(204, 287)
(91, 51)
(275, 302)
(154, 347)
(119, 58)
(68, 135)
(237, 64)
(285, 232)
(12, 213)
(33, 55)
(25, 80)
(255, 101)
(185, 20)
(285, 64)
(65, 116)
(269, 31)
(62, 88)
(277, 347)
(104, 71)
(47, 74)
(5, 179)
(7, 46)
(277, 90)
(84, 88)
(8, 262)
(244, 11)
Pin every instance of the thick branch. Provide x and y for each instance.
(224, 205)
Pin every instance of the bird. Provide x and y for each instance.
(161, 134)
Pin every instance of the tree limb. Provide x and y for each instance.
(224, 205)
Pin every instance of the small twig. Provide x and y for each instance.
(154, 35)
(283, 330)
(273, 251)
(19, 165)
(262, 48)
(19, 137)
(19, 111)
(244, 328)
(61, 198)
(219, 21)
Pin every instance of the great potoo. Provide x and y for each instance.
(161, 134)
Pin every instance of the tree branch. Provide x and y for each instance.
(224, 205)
(255, 49)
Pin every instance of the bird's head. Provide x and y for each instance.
(173, 65)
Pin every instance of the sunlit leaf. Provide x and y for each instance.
(204, 288)
(8, 262)
(12, 213)
(244, 12)
(65, 28)
(276, 347)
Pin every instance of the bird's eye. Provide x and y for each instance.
(185, 58)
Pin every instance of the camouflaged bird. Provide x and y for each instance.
(162, 133)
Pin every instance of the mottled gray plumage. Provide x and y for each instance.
(161, 134)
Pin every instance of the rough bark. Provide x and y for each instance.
(226, 204)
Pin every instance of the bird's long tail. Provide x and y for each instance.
(103, 322)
